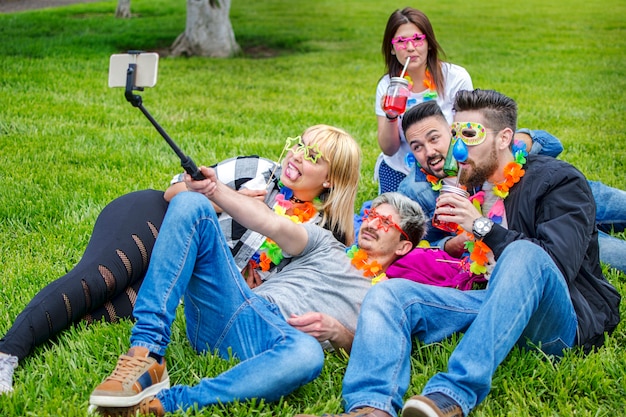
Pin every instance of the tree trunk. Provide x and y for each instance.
(123, 9)
(208, 31)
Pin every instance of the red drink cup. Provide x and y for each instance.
(394, 103)
(448, 226)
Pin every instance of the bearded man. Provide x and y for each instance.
(532, 229)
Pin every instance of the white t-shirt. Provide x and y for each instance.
(456, 78)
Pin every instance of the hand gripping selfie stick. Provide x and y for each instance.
(135, 99)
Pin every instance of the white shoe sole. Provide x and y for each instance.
(416, 408)
(113, 401)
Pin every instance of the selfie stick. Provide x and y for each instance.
(135, 99)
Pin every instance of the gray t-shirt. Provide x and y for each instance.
(320, 279)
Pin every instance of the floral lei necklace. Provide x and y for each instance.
(428, 82)
(435, 182)
(371, 270)
(513, 173)
(302, 211)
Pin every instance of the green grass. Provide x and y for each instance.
(69, 145)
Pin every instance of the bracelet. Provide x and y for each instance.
(391, 119)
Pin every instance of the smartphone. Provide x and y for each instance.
(146, 70)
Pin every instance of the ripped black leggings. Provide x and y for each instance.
(104, 284)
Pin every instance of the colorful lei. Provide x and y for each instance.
(435, 183)
(270, 253)
(513, 173)
(371, 270)
(428, 82)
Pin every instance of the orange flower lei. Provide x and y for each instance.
(371, 270)
(435, 182)
(270, 253)
(428, 82)
(513, 173)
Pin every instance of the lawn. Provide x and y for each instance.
(70, 144)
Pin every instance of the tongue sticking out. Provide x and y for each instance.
(291, 172)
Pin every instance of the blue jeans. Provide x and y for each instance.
(610, 215)
(526, 302)
(191, 260)
(544, 143)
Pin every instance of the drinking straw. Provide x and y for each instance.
(406, 65)
(458, 176)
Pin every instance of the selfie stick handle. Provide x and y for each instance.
(135, 99)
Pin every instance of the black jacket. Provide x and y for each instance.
(553, 206)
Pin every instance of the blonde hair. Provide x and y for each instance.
(344, 159)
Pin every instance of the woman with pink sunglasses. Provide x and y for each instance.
(409, 35)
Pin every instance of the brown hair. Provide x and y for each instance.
(498, 110)
(419, 19)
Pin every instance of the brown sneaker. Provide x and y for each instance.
(359, 412)
(147, 407)
(435, 404)
(137, 376)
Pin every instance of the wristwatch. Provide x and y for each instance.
(481, 227)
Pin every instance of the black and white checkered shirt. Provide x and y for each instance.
(242, 172)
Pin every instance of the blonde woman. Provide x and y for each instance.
(274, 329)
(105, 283)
